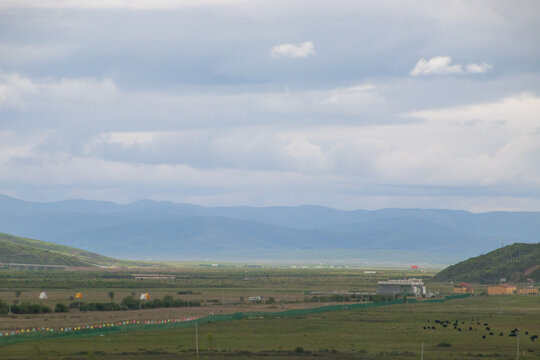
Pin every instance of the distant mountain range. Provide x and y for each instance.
(515, 263)
(161, 230)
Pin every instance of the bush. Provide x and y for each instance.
(186, 292)
(131, 303)
(27, 308)
(299, 350)
(61, 308)
(4, 308)
(443, 344)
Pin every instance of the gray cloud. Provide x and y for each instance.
(112, 100)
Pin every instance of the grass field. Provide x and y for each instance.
(392, 332)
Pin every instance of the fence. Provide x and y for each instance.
(14, 337)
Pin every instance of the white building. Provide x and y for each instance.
(413, 287)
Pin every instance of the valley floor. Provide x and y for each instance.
(393, 332)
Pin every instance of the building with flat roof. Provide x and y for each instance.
(463, 288)
(409, 287)
(528, 291)
(502, 289)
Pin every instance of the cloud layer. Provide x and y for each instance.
(229, 102)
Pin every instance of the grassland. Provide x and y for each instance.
(394, 332)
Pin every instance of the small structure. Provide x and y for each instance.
(414, 287)
(148, 276)
(502, 289)
(528, 291)
(255, 298)
(463, 288)
(43, 295)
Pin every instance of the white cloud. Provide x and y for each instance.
(492, 144)
(442, 65)
(16, 89)
(13, 89)
(301, 50)
(478, 68)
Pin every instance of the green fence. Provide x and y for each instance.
(176, 324)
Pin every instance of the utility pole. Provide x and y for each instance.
(197, 339)
(517, 349)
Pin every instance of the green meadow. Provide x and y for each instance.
(390, 332)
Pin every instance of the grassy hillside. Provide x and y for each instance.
(517, 262)
(15, 249)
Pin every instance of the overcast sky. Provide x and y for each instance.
(348, 104)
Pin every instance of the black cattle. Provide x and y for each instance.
(483, 336)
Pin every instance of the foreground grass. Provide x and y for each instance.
(393, 332)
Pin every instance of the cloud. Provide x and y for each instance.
(478, 68)
(18, 91)
(35, 53)
(442, 65)
(301, 50)
(113, 4)
(481, 151)
(13, 89)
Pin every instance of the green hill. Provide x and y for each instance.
(15, 249)
(516, 263)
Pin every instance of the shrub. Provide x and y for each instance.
(444, 344)
(61, 308)
(299, 350)
(28, 308)
(4, 308)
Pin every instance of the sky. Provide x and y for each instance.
(347, 104)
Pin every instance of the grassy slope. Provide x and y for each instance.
(15, 249)
(516, 262)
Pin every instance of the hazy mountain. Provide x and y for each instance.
(157, 229)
